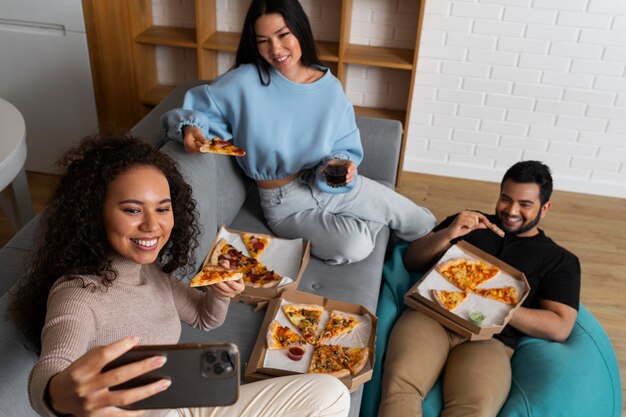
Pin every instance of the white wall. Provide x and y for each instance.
(500, 81)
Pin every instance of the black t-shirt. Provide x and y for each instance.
(553, 273)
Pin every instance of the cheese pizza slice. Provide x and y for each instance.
(449, 299)
(506, 295)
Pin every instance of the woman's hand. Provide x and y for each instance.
(351, 172)
(193, 139)
(82, 390)
(229, 288)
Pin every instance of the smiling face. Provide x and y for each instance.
(279, 46)
(519, 208)
(138, 215)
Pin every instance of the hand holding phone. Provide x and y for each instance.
(82, 386)
(201, 375)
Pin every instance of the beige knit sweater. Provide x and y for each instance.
(143, 301)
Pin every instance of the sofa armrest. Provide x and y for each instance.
(381, 139)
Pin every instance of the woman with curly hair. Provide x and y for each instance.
(118, 226)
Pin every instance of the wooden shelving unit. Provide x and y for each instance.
(207, 41)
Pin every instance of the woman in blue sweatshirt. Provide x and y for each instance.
(288, 111)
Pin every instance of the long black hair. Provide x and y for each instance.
(71, 238)
(298, 24)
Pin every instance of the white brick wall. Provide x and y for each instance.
(498, 81)
(551, 86)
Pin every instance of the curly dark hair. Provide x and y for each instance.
(71, 235)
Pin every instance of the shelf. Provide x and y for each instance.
(168, 36)
(327, 51)
(378, 56)
(223, 41)
(398, 115)
(156, 94)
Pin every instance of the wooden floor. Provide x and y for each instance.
(592, 227)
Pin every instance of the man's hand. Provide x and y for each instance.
(193, 139)
(82, 390)
(466, 222)
(552, 321)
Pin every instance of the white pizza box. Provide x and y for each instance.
(287, 257)
(497, 314)
(265, 363)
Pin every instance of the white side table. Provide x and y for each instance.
(12, 157)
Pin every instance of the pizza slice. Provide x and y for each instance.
(339, 361)
(305, 317)
(255, 243)
(222, 147)
(455, 271)
(506, 295)
(212, 274)
(259, 276)
(479, 272)
(357, 358)
(254, 272)
(495, 229)
(329, 359)
(449, 299)
(281, 337)
(338, 323)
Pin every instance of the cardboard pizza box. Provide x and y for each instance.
(259, 365)
(497, 314)
(287, 257)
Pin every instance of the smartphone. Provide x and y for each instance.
(202, 375)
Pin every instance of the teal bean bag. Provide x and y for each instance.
(577, 378)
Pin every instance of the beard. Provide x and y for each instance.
(524, 228)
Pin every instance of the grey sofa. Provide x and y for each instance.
(226, 197)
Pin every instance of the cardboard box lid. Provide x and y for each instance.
(457, 320)
(255, 369)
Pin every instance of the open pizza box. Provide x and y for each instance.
(287, 257)
(265, 363)
(497, 314)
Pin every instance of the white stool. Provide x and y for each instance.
(12, 157)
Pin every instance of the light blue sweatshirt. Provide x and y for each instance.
(284, 127)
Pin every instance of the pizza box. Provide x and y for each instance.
(497, 314)
(266, 363)
(287, 257)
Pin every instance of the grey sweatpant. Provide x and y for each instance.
(342, 228)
